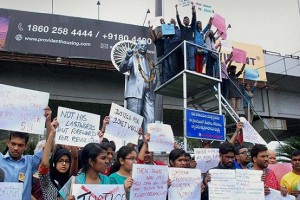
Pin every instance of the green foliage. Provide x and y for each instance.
(291, 144)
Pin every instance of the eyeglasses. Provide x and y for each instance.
(295, 160)
(64, 161)
(132, 159)
(247, 153)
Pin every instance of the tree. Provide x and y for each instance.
(291, 144)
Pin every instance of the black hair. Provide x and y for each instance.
(238, 148)
(21, 135)
(231, 68)
(186, 17)
(106, 145)
(188, 155)
(226, 147)
(90, 151)
(59, 179)
(176, 153)
(295, 153)
(122, 153)
(256, 149)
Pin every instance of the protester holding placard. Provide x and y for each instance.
(290, 183)
(176, 56)
(227, 156)
(54, 174)
(259, 154)
(94, 160)
(177, 158)
(234, 89)
(199, 40)
(121, 171)
(212, 56)
(144, 156)
(158, 40)
(187, 33)
(224, 73)
(19, 167)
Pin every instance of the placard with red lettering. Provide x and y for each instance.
(76, 128)
(239, 56)
(206, 158)
(22, 109)
(161, 137)
(98, 191)
(219, 22)
(124, 123)
(150, 182)
(186, 184)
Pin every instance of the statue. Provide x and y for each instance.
(141, 83)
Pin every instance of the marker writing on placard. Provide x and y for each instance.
(67, 114)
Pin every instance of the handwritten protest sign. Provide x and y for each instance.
(221, 174)
(239, 56)
(98, 192)
(219, 22)
(226, 182)
(251, 74)
(204, 125)
(162, 138)
(280, 169)
(250, 134)
(186, 184)
(11, 190)
(76, 128)
(226, 45)
(206, 158)
(222, 184)
(124, 123)
(276, 195)
(22, 109)
(150, 181)
(245, 178)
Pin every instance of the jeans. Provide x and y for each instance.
(190, 57)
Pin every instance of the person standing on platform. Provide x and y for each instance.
(234, 89)
(141, 83)
(199, 40)
(187, 33)
(248, 102)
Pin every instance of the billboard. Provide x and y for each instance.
(63, 36)
(255, 58)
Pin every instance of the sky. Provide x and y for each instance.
(272, 24)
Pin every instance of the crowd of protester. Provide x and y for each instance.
(58, 166)
(203, 54)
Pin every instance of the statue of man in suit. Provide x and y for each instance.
(141, 82)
